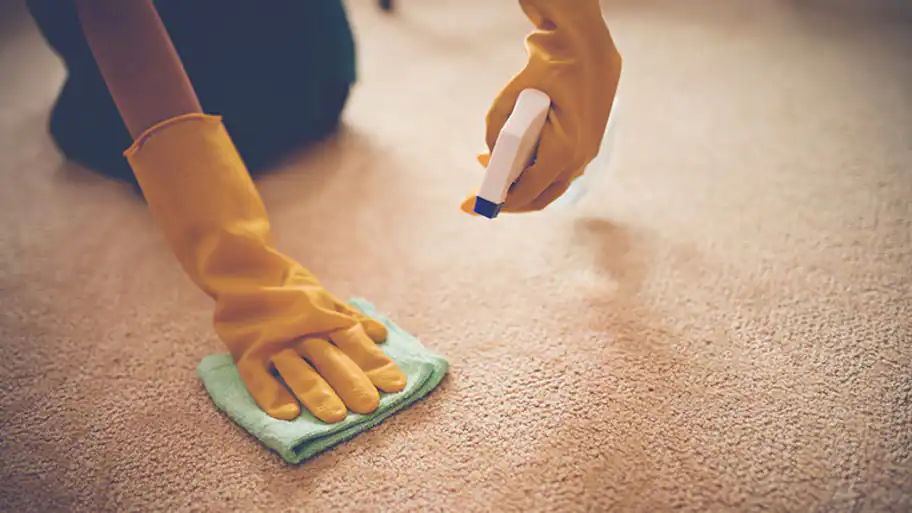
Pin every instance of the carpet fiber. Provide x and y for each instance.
(725, 326)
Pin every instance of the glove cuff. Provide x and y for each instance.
(203, 199)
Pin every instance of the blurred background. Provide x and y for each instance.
(724, 325)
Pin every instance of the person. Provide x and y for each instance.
(294, 342)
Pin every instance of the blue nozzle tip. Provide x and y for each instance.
(487, 208)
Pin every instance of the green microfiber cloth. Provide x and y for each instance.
(304, 437)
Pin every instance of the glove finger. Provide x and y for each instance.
(556, 190)
(345, 377)
(375, 329)
(550, 162)
(268, 392)
(312, 390)
(483, 159)
(468, 204)
(378, 366)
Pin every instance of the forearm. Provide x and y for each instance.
(138, 61)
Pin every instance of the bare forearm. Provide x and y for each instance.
(138, 61)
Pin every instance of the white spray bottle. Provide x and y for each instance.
(515, 150)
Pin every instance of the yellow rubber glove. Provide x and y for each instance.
(272, 313)
(573, 59)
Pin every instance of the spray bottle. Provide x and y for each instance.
(515, 150)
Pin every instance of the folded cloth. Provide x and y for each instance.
(306, 436)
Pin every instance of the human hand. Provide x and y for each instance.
(290, 338)
(337, 366)
(572, 59)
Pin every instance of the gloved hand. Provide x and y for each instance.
(573, 59)
(273, 314)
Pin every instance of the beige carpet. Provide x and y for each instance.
(725, 326)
